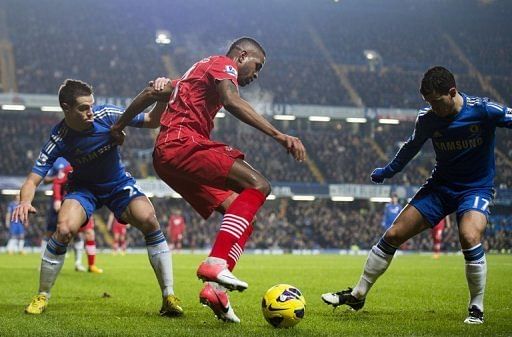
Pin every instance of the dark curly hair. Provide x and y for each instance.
(437, 79)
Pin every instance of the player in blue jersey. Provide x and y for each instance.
(462, 131)
(391, 211)
(16, 230)
(98, 178)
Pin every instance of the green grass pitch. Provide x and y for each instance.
(418, 296)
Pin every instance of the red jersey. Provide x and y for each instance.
(176, 225)
(195, 100)
(59, 183)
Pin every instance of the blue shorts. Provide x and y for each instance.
(116, 199)
(435, 201)
(16, 228)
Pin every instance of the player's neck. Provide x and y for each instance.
(459, 103)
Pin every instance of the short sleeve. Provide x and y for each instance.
(48, 155)
(223, 68)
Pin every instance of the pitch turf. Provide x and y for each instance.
(418, 296)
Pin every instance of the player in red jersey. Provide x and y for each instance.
(437, 235)
(208, 174)
(119, 231)
(59, 191)
(175, 229)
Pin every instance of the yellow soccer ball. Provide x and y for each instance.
(283, 306)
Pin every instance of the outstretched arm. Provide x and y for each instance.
(410, 148)
(242, 110)
(27, 193)
(141, 102)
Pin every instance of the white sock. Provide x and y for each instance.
(44, 242)
(375, 266)
(78, 247)
(476, 275)
(160, 259)
(10, 247)
(51, 264)
(21, 244)
(15, 245)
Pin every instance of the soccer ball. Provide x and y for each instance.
(283, 306)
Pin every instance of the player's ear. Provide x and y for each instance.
(65, 107)
(452, 92)
(242, 56)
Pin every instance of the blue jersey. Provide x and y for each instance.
(390, 213)
(95, 159)
(464, 144)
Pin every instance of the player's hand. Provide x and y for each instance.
(293, 145)
(117, 134)
(160, 83)
(22, 211)
(379, 174)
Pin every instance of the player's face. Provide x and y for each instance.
(442, 105)
(80, 114)
(249, 66)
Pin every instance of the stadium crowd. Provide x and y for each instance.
(344, 155)
(307, 67)
(320, 224)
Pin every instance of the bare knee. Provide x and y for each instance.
(65, 231)
(147, 222)
(469, 240)
(263, 186)
(394, 237)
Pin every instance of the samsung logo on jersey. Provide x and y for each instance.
(94, 155)
(459, 144)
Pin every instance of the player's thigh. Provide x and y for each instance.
(471, 228)
(141, 214)
(433, 203)
(204, 198)
(472, 215)
(71, 217)
(122, 196)
(196, 159)
(408, 223)
(242, 176)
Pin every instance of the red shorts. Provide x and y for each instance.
(175, 237)
(437, 234)
(118, 228)
(196, 167)
(88, 225)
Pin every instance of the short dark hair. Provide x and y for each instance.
(71, 89)
(437, 79)
(245, 41)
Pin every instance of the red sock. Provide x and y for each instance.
(236, 221)
(238, 248)
(90, 249)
